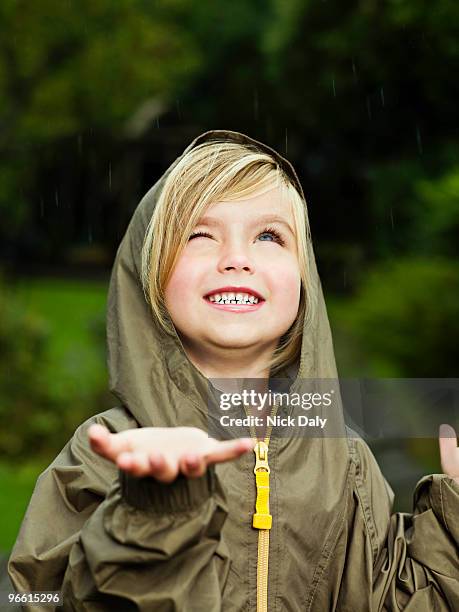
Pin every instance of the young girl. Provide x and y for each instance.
(142, 510)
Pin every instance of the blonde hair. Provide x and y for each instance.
(222, 171)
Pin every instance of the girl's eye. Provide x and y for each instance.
(275, 233)
(195, 234)
(269, 230)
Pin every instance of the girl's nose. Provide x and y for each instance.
(241, 267)
(236, 261)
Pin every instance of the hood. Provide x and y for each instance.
(149, 371)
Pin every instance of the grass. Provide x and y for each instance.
(71, 309)
(16, 486)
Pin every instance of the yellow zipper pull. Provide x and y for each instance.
(262, 519)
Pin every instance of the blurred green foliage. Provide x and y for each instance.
(53, 377)
(23, 386)
(17, 482)
(403, 321)
(66, 66)
(415, 210)
(359, 96)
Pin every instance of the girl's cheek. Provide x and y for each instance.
(287, 275)
(182, 280)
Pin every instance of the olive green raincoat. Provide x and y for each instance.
(110, 541)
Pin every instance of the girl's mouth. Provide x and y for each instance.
(239, 308)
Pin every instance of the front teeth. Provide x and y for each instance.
(231, 298)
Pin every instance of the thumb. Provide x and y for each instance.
(449, 452)
(229, 449)
(106, 444)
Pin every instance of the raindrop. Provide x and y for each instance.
(255, 104)
(42, 207)
(286, 142)
(354, 71)
(344, 278)
(157, 122)
(269, 127)
(56, 198)
(89, 234)
(110, 176)
(418, 139)
(334, 90)
(177, 106)
(382, 95)
(391, 217)
(80, 144)
(368, 107)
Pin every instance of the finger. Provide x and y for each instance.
(162, 468)
(140, 464)
(106, 444)
(124, 461)
(229, 449)
(448, 450)
(192, 465)
(98, 438)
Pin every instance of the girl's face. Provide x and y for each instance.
(239, 248)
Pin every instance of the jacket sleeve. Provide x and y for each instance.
(414, 558)
(106, 539)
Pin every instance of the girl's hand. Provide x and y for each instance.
(163, 452)
(449, 452)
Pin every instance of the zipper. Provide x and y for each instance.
(262, 519)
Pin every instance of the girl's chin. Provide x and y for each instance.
(235, 341)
